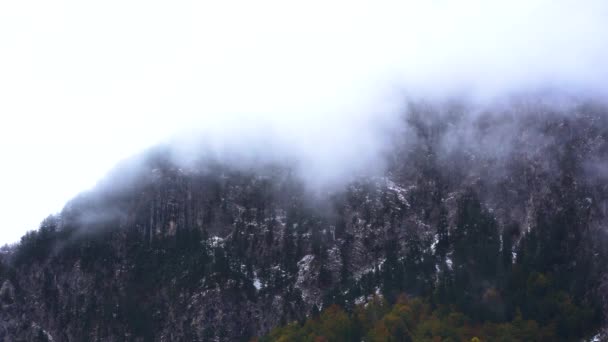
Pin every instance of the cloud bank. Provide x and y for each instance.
(84, 84)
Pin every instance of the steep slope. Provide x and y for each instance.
(473, 211)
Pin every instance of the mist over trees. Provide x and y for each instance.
(485, 222)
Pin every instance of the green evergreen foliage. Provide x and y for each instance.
(37, 245)
(483, 293)
(480, 261)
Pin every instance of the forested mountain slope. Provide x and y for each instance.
(495, 216)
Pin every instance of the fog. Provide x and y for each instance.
(86, 84)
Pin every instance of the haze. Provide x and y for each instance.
(85, 84)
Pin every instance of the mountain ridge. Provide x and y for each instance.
(468, 205)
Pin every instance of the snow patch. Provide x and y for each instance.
(595, 338)
(304, 263)
(435, 242)
(257, 283)
(216, 241)
(360, 300)
(401, 192)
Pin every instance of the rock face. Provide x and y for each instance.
(214, 252)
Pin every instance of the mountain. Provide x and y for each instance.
(498, 214)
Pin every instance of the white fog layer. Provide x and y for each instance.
(86, 84)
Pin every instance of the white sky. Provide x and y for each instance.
(84, 84)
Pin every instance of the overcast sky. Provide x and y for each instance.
(84, 84)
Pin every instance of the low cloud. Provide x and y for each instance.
(85, 84)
